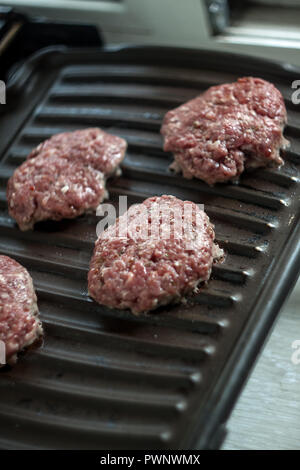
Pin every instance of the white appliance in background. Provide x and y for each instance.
(265, 28)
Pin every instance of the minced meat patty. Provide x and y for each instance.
(93, 146)
(226, 129)
(145, 267)
(64, 176)
(19, 321)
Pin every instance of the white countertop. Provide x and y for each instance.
(267, 414)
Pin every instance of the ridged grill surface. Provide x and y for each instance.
(103, 378)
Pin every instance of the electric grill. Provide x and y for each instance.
(104, 379)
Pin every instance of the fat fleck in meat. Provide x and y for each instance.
(64, 176)
(230, 127)
(19, 321)
(142, 269)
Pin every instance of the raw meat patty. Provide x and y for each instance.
(226, 129)
(92, 146)
(143, 268)
(19, 321)
(64, 176)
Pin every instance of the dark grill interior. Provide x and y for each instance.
(103, 378)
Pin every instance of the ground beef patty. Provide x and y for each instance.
(19, 322)
(226, 129)
(152, 265)
(64, 176)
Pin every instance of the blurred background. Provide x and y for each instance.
(266, 28)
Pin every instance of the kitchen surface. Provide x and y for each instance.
(267, 414)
